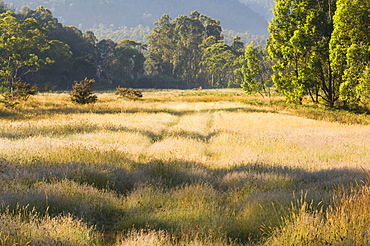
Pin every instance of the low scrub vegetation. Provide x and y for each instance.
(177, 168)
(82, 92)
(20, 92)
(128, 93)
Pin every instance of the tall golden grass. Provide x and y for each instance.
(209, 167)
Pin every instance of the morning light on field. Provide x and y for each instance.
(182, 167)
(187, 122)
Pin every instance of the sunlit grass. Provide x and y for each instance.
(206, 167)
(346, 222)
(24, 227)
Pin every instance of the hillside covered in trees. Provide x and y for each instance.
(187, 51)
(116, 14)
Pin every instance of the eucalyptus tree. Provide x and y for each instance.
(74, 52)
(55, 75)
(175, 46)
(127, 63)
(350, 51)
(254, 72)
(218, 61)
(190, 33)
(105, 49)
(299, 39)
(161, 47)
(238, 45)
(20, 43)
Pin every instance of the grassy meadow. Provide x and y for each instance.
(193, 167)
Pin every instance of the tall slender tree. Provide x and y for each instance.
(254, 73)
(190, 33)
(218, 61)
(127, 63)
(161, 47)
(175, 47)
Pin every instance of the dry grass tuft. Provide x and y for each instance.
(24, 227)
(345, 222)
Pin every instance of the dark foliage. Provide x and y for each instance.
(161, 82)
(21, 91)
(82, 92)
(128, 92)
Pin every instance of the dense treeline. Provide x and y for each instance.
(184, 53)
(190, 49)
(140, 34)
(315, 51)
(37, 49)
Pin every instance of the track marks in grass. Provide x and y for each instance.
(207, 171)
(174, 195)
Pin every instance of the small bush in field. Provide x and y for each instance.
(22, 91)
(82, 92)
(128, 92)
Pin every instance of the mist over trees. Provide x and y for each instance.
(134, 20)
(117, 14)
(185, 52)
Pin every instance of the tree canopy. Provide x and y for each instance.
(186, 52)
(191, 49)
(350, 51)
(21, 42)
(321, 49)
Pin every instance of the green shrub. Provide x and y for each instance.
(82, 92)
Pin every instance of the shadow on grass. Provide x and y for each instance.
(122, 179)
(85, 129)
(138, 195)
(23, 114)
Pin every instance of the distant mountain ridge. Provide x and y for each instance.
(263, 7)
(85, 14)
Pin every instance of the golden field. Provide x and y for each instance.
(207, 167)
